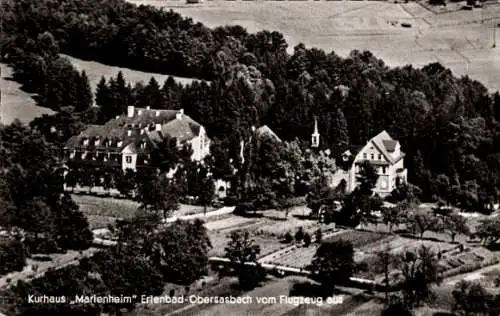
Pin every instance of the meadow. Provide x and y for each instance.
(16, 104)
(458, 39)
(95, 71)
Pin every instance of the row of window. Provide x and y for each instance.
(382, 169)
(372, 156)
(106, 157)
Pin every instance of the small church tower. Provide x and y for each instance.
(315, 135)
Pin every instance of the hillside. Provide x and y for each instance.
(96, 70)
(19, 104)
(15, 102)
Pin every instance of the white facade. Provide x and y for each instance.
(388, 163)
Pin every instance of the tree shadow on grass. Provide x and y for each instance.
(310, 289)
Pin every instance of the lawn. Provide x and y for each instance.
(456, 39)
(107, 207)
(16, 104)
(102, 211)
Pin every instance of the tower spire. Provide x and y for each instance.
(315, 135)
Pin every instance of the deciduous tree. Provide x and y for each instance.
(333, 263)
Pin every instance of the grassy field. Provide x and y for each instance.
(96, 70)
(102, 211)
(456, 39)
(16, 104)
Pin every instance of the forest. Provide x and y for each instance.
(447, 126)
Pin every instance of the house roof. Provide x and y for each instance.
(378, 141)
(265, 130)
(390, 145)
(133, 132)
(184, 129)
(353, 149)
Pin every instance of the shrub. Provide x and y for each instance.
(288, 238)
(250, 277)
(12, 256)
(41, 245)
(299, 235)
(318, 235)
(307, 239)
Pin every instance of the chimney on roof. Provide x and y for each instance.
(139, 112)
(118, 116)
(179, 114)
(148, 107)
(130, 111)
(157, 127)
(157, 113)
(129, 132)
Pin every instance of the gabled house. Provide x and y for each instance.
(128, 140)
(385, 155)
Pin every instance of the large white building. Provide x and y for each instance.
(128, 140)
(384, 154)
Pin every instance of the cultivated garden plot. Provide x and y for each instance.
(300, 257)
(358, 238)
(267, 245)
(231, 223)
(452, 259)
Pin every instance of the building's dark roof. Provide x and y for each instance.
(132, 132)
(183, 130)
(353, 149)
(265, 130)
(378, 141)
(390, 145)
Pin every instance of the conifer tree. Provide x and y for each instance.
(84, 98)
(340, 131)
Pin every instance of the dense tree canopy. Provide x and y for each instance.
(32, 194)
(446, 125)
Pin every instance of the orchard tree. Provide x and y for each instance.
(159, 195)
(455, 224)
(421, 222)
(488, 230)
(394, 216)
(285, 206)
(385, 262)
(419, 272)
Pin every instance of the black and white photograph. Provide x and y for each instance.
(249, 158)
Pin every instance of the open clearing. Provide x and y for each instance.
(102, 211)
(16, 104)
(456, 39)
(96, 70)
